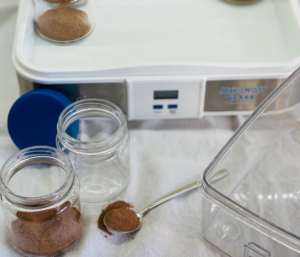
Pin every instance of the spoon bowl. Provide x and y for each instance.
(140, 217)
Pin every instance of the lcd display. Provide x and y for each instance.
(166, 94)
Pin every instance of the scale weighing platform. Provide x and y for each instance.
(168, 59)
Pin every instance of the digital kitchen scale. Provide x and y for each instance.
(167, 59)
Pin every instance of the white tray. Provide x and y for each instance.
(167, 37)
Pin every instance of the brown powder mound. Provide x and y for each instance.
(115, 205)
(59, 1)
(37, 216)
(47, 233)
(121, 219)
(42, 215)
(243, 0)
(64, 23)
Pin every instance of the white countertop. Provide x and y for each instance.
(198, 141)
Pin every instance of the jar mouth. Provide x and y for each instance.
(32, 156)
(91, 108)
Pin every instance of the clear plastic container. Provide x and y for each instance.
(255, 210)
(63, 20)
(100, 153)
(40, 200)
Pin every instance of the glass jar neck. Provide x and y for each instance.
(32, 156)
(92, 108)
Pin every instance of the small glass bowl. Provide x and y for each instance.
(63, 21)
(241, 2)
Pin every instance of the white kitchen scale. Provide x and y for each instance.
(167, 59)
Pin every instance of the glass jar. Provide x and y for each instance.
(63, 20)
(100, 153)
(40, 201)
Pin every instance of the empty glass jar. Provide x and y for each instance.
(63, 20)
(40, 200)
(100, 153)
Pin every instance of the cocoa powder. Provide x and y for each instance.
(64, 23)
(121, 219)
(58, 1)
(115, 205)
(47, 233)
(242, 1)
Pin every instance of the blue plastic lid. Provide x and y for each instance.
(33, 118)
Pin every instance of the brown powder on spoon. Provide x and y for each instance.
(59, 1)
(243, 1)
(121, 219)
(64, 23)
(115, 205)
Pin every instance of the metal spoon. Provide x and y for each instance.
(219, 175)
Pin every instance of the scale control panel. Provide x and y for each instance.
(164, 99)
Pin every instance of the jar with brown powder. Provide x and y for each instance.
(63, 20)
(40, 201)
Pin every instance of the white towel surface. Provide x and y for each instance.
(161, 161)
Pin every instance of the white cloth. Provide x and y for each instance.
(161, 161)
(165, 156)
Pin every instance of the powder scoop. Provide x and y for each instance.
(219, 175)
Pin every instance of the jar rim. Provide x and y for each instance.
(17, 161)
(82, 108)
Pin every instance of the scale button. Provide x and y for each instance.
(157, 107)
(172, 106)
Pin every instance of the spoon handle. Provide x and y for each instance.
(219, 175)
